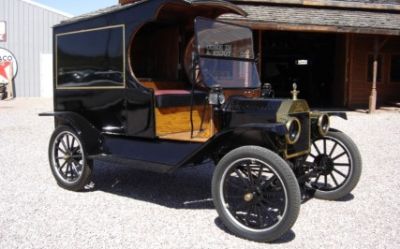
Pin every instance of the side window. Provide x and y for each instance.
(91, 58)
(395, 68)
(370, 68)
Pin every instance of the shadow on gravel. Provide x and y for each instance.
(345, 198)
(287, 237)
(188, 188)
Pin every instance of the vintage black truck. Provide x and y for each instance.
(159, 85)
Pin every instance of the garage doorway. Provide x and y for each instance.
(315, 61)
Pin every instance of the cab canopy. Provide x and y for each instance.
(143, 43)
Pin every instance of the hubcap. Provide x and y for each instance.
(324, 163)
(331, 164)
(248, 197)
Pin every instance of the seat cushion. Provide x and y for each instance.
(174, 98)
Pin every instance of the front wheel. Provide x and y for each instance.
(256, 193)
(68, 160)
(336, 165)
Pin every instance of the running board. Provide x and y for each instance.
(135, 164)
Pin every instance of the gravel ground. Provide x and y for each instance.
(132, 209)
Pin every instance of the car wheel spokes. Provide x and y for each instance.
(68, 157)
(253, 194)
(331, 164)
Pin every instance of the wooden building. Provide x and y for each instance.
(328, 47)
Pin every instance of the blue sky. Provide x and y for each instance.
(77, 7)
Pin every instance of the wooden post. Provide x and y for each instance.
(373, 96)
(10, 85)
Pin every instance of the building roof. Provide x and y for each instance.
(281, 17)
(347, 4)
(371, 1)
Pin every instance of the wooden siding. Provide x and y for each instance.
(359, 88)
(29, 34)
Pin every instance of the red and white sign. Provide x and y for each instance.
(8, 66)
(3, 31)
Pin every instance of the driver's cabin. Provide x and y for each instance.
(134, 69)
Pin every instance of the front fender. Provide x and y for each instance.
(342, 115)
(270, 136)
(88, 133)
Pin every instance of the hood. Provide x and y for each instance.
(241, 110)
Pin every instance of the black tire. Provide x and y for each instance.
(68, 160)
(339, 177)
(269, 194)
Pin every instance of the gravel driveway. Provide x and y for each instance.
(133, 209)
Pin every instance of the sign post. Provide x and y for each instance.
(10, 85)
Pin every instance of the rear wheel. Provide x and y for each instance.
(68, 160)
(255, 193)
(336, 165)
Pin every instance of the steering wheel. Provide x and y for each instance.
(188, 63)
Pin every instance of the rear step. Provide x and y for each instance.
(135, 164)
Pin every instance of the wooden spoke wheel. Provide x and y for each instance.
(68, 160)
(336, 166)
(256, 193)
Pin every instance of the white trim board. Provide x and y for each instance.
(48, 8)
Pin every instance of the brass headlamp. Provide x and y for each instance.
(216, 95)
(323, 124)
(293, 127)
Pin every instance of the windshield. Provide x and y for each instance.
(226, 54)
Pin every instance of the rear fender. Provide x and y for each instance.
(88, 133)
